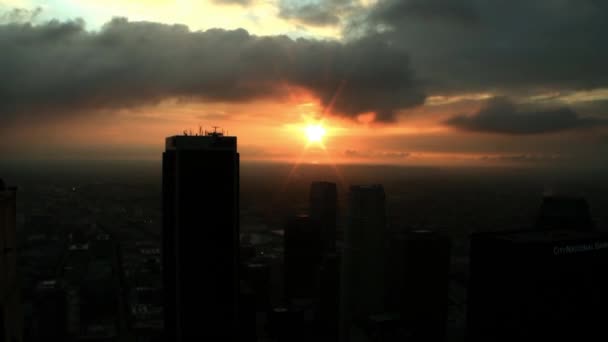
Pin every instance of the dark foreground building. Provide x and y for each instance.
(200, 237)
(324, 211)
(418, 281)
(10, 308)
(363, 281)
(559, 212)
(303, 248)
(540, 286)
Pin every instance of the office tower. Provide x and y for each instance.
(258, 278)
(545, 286)
(10, 307)
(329, 298)
(51, 311)
(418, 281)
(570, 213)
(303, 248)
(363, 278)
(324, 211)
(288, 324)
(201, 237)
(247, 314)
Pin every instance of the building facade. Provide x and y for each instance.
(201, 237)
(11, 321)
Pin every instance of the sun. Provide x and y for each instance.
(315, 133)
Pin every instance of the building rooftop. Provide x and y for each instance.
(370, 187)
(207, 141)
(548, 237)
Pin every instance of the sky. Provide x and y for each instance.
(412, 82)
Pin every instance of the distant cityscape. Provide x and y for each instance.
(114, 262)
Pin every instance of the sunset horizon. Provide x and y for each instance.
(393, 83)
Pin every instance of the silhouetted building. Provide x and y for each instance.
(537, 286)
(51, 312)
(418, 280)
(258, 278)
(247, 331)
(570, 213)
(10, 301)
(329, 298)
(363, 276)
(384, 327)
(324, 211)
(303, 252)
(288, 324)
(201, 237)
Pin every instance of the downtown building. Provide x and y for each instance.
(363, 263)
(538, 285)
(11, 322)
(418, 268)
(201, 237)
(302, 255)
(324, 211)
(565, 213)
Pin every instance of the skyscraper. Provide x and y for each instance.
(302, 257)
(559, 212)
(527, 285)
(363, 278)
(324, 210)
(201, 237)
(418, 282)
(10, 308)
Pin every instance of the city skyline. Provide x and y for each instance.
(462, 83)
(315, 261)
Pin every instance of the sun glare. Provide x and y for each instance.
(315, 133)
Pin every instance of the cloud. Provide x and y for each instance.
(503, 47)
(499, 115)
(61, 68)
(454, 11)
(20, 15)
(316, 13)
(524, 158)
(350, 153)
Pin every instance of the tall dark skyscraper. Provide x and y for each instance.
(418, 281)
(10, 308)
(571, 213)
(324, 211)
(201, 237)
(539, 286)
(363, 276)
(302, 257)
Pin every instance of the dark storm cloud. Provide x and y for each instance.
(316, 13)
(59, 67)
(396, 12)
(501, 46)
(20, 15)
(503, 117)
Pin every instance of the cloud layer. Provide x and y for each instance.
(500, 46)
(60, 67)
(315, 12)
(501, 116)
